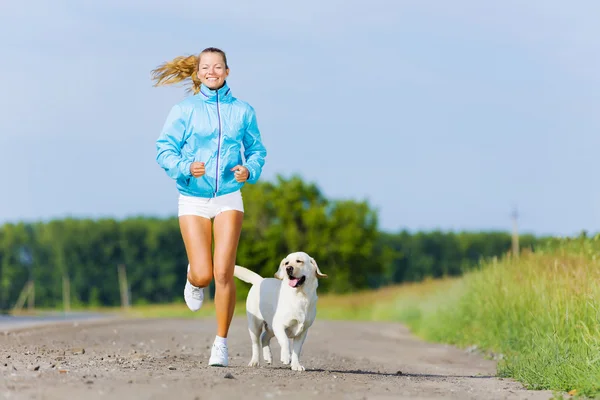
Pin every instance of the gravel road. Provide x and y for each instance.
(167, 358)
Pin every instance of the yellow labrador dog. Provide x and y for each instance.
(285, 306)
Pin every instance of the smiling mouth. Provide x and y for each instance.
(296, 282)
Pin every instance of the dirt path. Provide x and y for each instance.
(159, 359)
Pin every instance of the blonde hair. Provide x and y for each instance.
(182, 68)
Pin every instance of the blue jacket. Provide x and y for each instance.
(210, 126)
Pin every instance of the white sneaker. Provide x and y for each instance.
(219, 356)
(194, 296)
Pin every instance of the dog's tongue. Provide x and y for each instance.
(293, 282)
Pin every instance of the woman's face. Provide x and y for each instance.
(212, 71)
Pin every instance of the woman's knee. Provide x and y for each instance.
(200, 277)
(223, 276)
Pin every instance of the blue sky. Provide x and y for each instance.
(443, 115)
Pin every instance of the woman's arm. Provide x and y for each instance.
(254, 150)
(169, 143)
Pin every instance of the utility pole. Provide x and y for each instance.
(31, 298)
(66, 289)
(515, 233)
(124, 286)
(23, 297)
(25, 256)
(66, 280)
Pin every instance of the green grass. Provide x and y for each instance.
(540, 312)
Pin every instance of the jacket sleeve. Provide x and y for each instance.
(254, 150)
(168, 145)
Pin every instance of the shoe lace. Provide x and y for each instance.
(196, 293)
(221, 350)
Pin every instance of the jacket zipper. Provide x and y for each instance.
(218, 148)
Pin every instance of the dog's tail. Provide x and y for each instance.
(246, 275)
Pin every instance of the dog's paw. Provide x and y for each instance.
(267, 356)
(285, 359)
(297, 367)
(253, 363)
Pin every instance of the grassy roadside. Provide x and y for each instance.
(541, 313)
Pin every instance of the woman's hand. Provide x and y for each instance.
(197, 169)
(241, 173)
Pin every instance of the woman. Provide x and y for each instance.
(200, 148)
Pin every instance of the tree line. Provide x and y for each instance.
(281, 217)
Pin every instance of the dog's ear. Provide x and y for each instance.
(319, 273)
(280, 273)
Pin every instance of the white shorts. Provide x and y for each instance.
(210, 207)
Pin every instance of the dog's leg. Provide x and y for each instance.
(254, 327)
(298, 342)
(284, 343)
(265, 339)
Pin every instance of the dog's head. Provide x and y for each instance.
(299, 269)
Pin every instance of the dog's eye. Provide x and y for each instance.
(299, 261)
(287, 262)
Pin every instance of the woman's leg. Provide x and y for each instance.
(227, 229)
(197, 238)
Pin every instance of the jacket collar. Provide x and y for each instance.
(210, 95)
